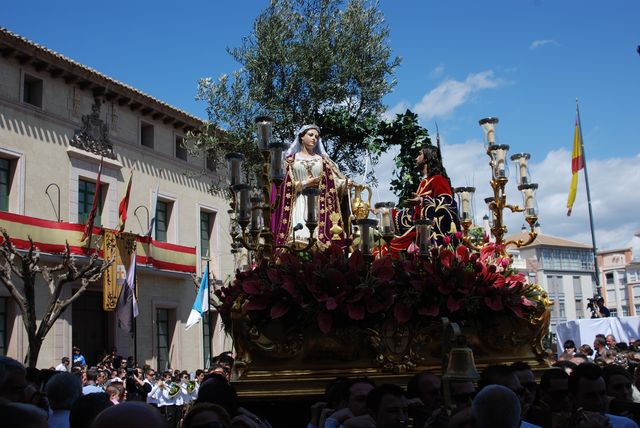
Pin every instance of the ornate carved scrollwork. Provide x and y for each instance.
(93, 136)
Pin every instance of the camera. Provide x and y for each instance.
(130, 372)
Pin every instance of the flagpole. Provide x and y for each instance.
(208, 363)
(135, 324)
(586, 181)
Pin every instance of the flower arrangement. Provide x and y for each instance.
(331, 290)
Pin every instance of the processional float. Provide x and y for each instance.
(305, 314)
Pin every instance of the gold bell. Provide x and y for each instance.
(461, 365)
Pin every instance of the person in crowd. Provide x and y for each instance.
(388, 407)
(601, 311)
(569, 350)
(567, 366)
(206, 415)
(115, 391)
(86, 408)
(611, 341)
(166, 392)
(588, 396)
(457, 412)
(216, 390)
(619, 382)
(501, 374)
(355, 399)
(62, 390)
(13, 381)
(21, 415)
(78, 358)
(587, 350)
(552, 401)
(64, 365)
(527, 380)
(496, 406)
(307, 166)
(579, 358)
(424, 392)
(150, 380)
(91, 386)
(137, 388)
(129, 415)
(599, 346)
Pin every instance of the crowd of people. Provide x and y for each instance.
(582, 389)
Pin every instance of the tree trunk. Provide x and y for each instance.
(35, 344)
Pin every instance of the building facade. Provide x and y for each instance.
(564, 268)
(59, 121)
(619, 276)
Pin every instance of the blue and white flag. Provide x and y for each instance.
(201, 304)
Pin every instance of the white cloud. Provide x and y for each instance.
(437, 72)
(615, 200)
(399, 108)
(450, 94)
(539, 43)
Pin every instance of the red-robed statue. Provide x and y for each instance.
(433, 201)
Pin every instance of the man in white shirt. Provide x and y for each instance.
(64, 365)
(91, 387)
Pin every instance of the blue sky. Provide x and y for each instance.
(523, 61)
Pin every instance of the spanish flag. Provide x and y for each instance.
(577, 163)
(124, 205)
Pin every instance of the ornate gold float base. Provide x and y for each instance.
(280, 360)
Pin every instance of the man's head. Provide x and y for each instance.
(554, 389)
(129, 415)
(63, 390)
(611, 341)
(599, 343)
(496, 406)
(527, 380)
(65, 361)
(387, 405)
(501, 374)
(76, 350)
(586, 350)
(92, 376)
(426, 387)
(86, 408)
(13, 381)
(587, 388)
(356, 395)
(618, 381)
(462, 394)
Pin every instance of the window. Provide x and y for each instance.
(146, 134)
(164, 338)
(561, 310)
(577, 287)
(86, 193)
(181, 150)
(3, 326)
(211, 163)
(609, 278)
(579, 309)
(206, 223)
(613, 312)
(32, 91)
(566, 259)
(5, 183)
(163, 215)
(625, 311)
(637, 309)
(554, 283)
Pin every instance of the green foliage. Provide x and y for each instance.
(324, 61)
(404, 132)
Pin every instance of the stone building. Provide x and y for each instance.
(620, 281)
(58, 119)
(564, 268)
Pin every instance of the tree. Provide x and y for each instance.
(406, 133)
(25, 267)
(323, 61)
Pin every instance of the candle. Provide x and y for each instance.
(311, 194)
(523, 170)
(244, 205)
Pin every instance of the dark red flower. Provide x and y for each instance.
(401, 312)
(252, 286)
(279, 309)
(446, 257)
(355, 312)
(383, 269)
(494, 302)
(429, 310)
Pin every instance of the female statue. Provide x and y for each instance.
(308, 165)
(433, 201)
